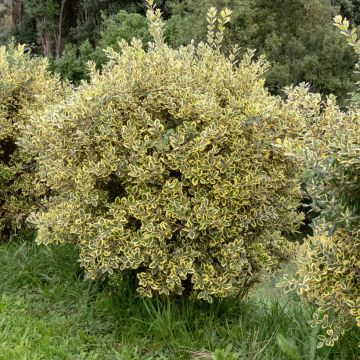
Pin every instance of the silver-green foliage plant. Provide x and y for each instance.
(329, 262)
(171, 164)
(352, 38)
(26, 88)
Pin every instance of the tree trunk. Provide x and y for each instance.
(46, 44)
(44, 36)
(58, 36)
(17, 11)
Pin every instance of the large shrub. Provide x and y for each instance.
(329, 262)
(171, 164)
(26, 87)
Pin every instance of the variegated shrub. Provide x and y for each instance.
(171, 164)
(329, 262)
(26, 87)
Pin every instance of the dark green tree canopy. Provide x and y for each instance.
(297, 36)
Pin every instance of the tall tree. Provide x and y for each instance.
(58, 34)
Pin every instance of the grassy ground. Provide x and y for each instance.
(48, 312)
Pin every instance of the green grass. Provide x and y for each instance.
(48, 312)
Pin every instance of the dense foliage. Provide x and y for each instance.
(178, 166)
(26, 87)
(329, 263)
(171, 164)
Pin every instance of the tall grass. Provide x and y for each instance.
(47, 311)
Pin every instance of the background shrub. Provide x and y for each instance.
(171, 164)
(26, 87)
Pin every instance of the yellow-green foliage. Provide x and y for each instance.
(25, 88)
(329, 262)
(171, 164)
(352, 38)
(328, 274)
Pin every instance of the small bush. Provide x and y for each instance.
(26, 87)
(328, 274)
(171, 165)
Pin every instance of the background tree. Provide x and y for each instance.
(297, 37)
(49, 23)
(5, 21)
(114, 28)
(348, 8)
(17, 11)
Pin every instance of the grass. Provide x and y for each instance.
(48, 312)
